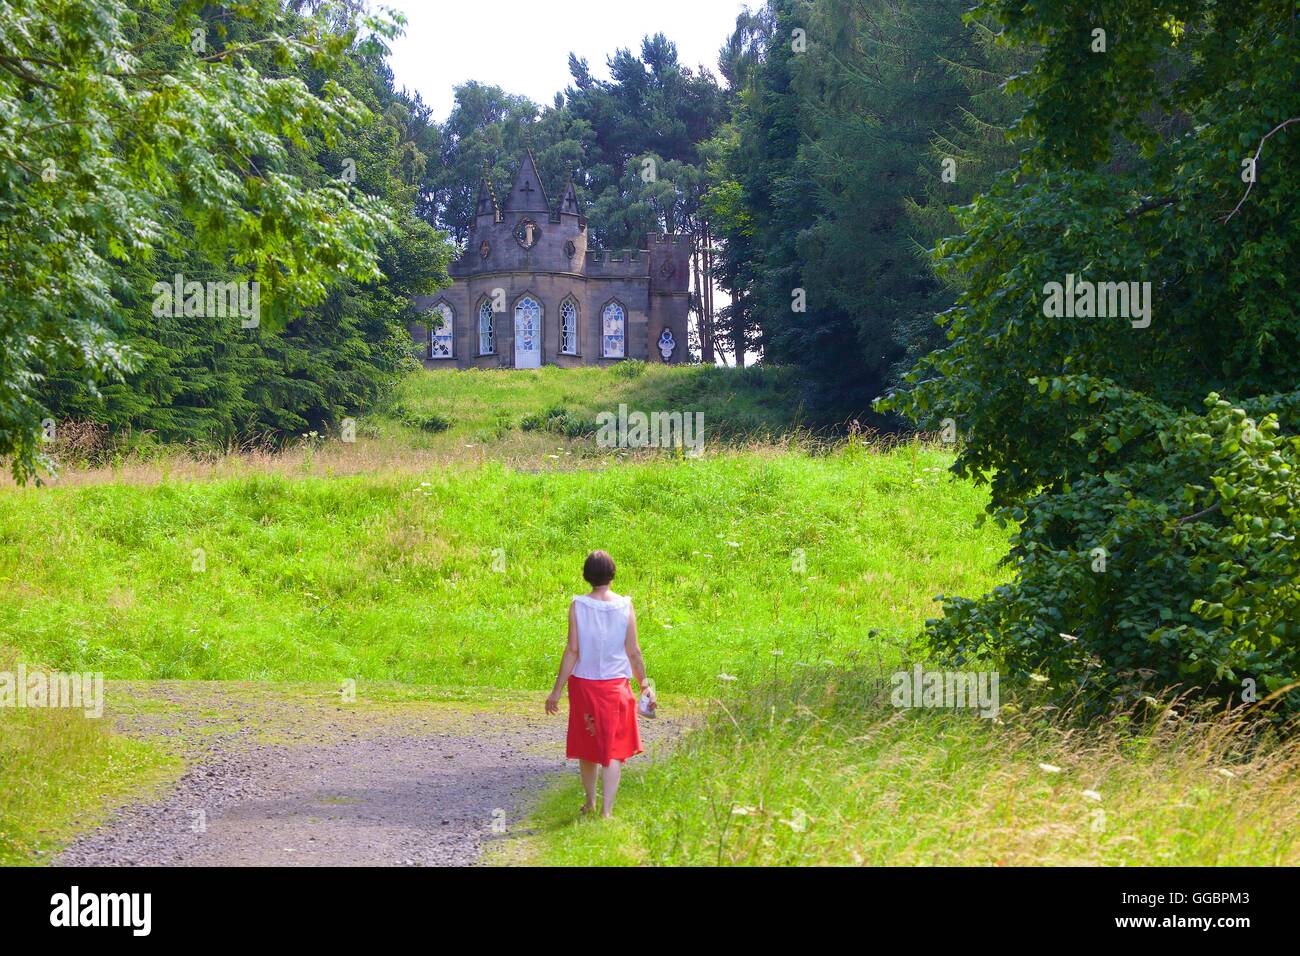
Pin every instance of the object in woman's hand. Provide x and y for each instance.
(647, 705)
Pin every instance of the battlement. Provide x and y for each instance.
(631, 262)
(638, 261)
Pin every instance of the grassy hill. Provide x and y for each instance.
(485, 406)
(540, 419)
(464, 576)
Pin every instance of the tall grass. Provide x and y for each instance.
(453, 419)
(817, 768)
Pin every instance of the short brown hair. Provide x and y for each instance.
(598, 569)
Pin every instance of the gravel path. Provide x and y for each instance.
(407, 790)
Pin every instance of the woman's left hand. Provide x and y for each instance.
(553, 704)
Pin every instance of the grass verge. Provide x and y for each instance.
(820, 769)
(62, 772)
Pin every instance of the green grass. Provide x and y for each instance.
(391, 576)
(817, 768)
(62, 772)
(445, 409)
(381, 561)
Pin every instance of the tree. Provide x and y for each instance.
(183, 138)
(1143, 434)
(644, 162)
(823, 185)
(485, 135)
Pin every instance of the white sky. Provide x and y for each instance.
(523, 46)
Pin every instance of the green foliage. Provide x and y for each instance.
(825, 186)
(485, 135)
(1171, 447)
(629, 369)
(422, 420)
(559, 420)
(652, 110)
(173, 137)
(600, 132)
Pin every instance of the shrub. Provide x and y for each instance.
(630, 368)
(421, 420)
(560, 421)
(1142, 577)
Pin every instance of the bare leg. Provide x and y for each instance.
(588, 770)
(609, 787)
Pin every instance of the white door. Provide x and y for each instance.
(528, 334)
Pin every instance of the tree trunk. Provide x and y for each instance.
(738, 331)
(707, 289)
(738, 339)
(705, 329)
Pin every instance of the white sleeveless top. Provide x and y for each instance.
(602, 638)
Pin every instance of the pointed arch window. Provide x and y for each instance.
(440, 338)
(569, 327)
(528, 320)
(487, 335)
(614, 330)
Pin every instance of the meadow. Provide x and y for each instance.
(463, 576)
(778, 579)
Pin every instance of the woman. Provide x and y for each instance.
(601, 656)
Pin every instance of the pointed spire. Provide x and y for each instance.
(487, 200)
(528, 194)
(569, 205)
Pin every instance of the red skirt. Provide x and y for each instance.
(602, 720)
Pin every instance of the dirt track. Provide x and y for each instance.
(284, 776)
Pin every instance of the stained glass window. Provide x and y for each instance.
(487, 337)
(569, 328)
(440, 338)
(528, 324)
(614, 324)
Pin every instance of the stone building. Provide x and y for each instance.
(526, 292)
